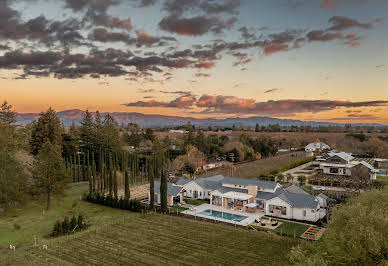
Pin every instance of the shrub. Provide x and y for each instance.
(68, 226)
(124, 204)
(16, 226)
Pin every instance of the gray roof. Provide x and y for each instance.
(296, 189)
(172, 190)
(208, 184)
(228, 189)
(343, 155)
(297, 200)
(183, 181)
(249, 182)
(214, 178)
(367, 165)
(323, 196)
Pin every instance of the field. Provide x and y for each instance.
(121, 237)
(263, 166)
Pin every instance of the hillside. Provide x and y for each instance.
(69, 116)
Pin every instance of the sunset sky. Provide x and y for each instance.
(323, 60)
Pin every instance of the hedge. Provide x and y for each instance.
(124, 204)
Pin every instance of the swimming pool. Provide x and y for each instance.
(223, 215)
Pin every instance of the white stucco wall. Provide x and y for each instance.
(191, 187)
(312, 215)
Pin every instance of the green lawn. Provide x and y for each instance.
(288, 228)
(34, 221)
(178, 209)
(195, 202)
(291, 229)
(122, 237)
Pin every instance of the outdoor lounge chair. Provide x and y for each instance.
(274, 223)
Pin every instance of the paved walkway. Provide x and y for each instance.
(250, 217)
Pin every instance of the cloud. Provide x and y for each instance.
(340, 23)
(182, 102)
(202, 75)
(195, 26)
(96, 5)
(329, 4)
(323, 36)
(272, 90)
(145, 91)
(235, 105)
(102, 19)
(204, 64)
(103, 35)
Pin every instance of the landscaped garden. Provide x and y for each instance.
(195, 202)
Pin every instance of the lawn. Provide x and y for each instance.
(122, 237)
(195, 202)
(291, 229)
(33, 220)
(288, 228)
(178, 209)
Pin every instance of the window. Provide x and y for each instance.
(284, 210)
(200, 193)
(334, 170)
(191, 191)
(304, 213)
(312, 211)
(208, 193)
(271, 208)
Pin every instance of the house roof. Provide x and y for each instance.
(317, 146)
(207, 184)
(183, 181)
(367, 165)
(296, 189)
(296, 200)
(323, 196)
(343, 155)
(249, 182)
(172, 190)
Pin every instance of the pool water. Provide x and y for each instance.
(224, 215)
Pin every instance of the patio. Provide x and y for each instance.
(250, 217)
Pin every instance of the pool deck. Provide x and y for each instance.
(196, 211)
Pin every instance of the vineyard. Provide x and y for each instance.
(154, 239)
(259, 167)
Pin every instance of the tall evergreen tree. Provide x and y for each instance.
(50, 175)
(89, 175)
(47, 128)
(94, 174)
(7, 114)
(163, 191)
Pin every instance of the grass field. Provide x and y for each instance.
(120, 237)
(263, 166)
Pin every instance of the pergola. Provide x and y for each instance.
(231, 199)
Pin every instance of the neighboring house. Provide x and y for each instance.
(174, 194)
(252, 195)
(344, 164)
(317, 147)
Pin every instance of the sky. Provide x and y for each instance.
(322, 60)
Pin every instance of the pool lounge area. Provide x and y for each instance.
(219, 213)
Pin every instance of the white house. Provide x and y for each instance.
(254, 196)
(174, 194)
(344, 164)
(317, 146)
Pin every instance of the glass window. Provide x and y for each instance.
(304, 213)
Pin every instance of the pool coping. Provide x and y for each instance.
(196, 211)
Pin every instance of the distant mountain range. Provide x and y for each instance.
(69, 116)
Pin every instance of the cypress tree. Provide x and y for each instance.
(151, 172)
(163, 191)
(78, 168)
(115, 178)
(93, 173)
(126, 185)
(73, 162)
(110, 178)
(89, 174)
